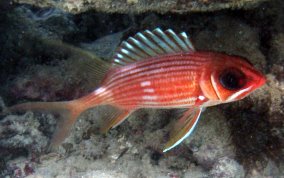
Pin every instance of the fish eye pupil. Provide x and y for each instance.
(232, 79)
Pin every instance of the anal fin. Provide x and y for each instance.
(183, 128)
(115, 119)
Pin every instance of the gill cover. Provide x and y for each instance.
(228, 78)
(234, 78)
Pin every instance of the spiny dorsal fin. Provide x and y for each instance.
(151, 44)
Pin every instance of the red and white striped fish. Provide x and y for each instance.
(159, 69)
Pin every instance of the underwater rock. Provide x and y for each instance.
(104, 174)
(211, 139)
(21, 30)
(49, 83)
(195, 172)
(277, 48)
(21, 133)
(227, 168)
(277, 58)
(142, 6)
(234, 37)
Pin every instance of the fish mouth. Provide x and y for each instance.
(261, 81)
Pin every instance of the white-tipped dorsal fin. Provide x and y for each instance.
(149, 44)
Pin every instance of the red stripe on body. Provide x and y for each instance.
(149, 64)
(169, 82)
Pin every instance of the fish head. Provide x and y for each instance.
(230, 78)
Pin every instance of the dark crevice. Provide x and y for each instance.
(252, 136)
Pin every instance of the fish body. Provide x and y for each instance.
(169, 82)
(161, 69)
(174, 81)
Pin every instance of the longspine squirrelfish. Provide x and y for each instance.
(158, 69)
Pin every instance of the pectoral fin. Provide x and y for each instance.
(183, 128)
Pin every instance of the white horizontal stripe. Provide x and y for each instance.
(148, 97)
(235, 95)
(145, 83)
(150, 67)
(188, 71)
(201, 97)
(99, 90)
(149, 90)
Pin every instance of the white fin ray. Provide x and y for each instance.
(183, 128)
(160, 46)
(149, 44)
(179, 43)
(137, 53)
(186, 40)
(142, 47)
(170, 48)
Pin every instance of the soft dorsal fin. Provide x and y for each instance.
(151, 44)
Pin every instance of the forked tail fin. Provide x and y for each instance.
(69, 111)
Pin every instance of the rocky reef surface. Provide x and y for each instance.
(142, 6)
(240, 139)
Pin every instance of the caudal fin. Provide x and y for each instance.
(69, 112)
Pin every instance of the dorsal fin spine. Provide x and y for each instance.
(185, 38)
(177, 40)
(162, 43)
(162, 35)
(120, 59)
(156, 42)
(145, 49)
(176, 47)
(149, 44)
(128, 54)
(138, 52)
(127, 57)
(132, 56)
(130, 48)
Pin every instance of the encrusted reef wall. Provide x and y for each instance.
(243, 139)
(141, 6)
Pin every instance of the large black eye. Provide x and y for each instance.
(232, 79)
